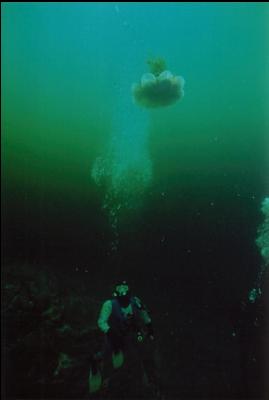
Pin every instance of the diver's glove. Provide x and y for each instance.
(150, 332)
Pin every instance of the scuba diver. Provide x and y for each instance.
(125, 322)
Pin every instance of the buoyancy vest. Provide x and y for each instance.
(122, 322)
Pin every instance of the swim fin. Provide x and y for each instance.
(117, 359)
(95, 381)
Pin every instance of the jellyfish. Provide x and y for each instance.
(148, 79)
(159, 87)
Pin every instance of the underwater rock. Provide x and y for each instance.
(262, 240)
(49, 337)
(64, 361)
(54, 312)
(64, 330)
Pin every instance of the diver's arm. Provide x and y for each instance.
(104, 316)
(144, 314)
(143, 311)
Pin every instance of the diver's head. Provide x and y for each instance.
(122, 293)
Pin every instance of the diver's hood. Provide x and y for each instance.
(121, 289)
(122, 294)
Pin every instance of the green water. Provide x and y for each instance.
(67, 72)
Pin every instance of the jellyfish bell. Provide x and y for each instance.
(179, 80)
(148, 79)
(165, 75)
(158, 91)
